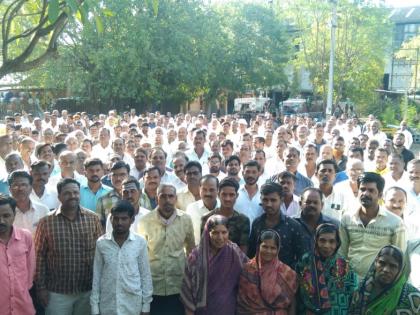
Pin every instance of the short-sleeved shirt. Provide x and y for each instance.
(292, 242)
(89, 199)
(238, 226)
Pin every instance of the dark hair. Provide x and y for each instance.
(155, 149)
(191, 164)
(40, 147)
(209, 177)
(151, 169)
(38, 164)
(232, 158)
(260, 139)
(328, 228)
(142, 150)
(131, 180)
(321, 195)
(228, 182)
(259, 151)
(123, 206)
(286, 174)
(120, 164)
(252, 163)
(66, 181)
(370, 177)
(215, 156)
(216, 220)
(93, 162)
(227, 142)
(326, 162)
(393, 251)
(398, 156)
(382, 149)
(354, 150)
(339, 138)
(270, 234)
(19, 174)
(8, 200)
(272, 187)
(58, 148)
(200, 131)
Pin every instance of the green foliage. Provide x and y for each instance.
(410, 51)
(171, 55)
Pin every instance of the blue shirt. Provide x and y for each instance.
(341, 176)
(4, 186)
(88, 199)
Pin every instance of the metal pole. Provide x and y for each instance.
(332, 54)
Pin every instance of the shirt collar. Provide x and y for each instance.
(59, 212)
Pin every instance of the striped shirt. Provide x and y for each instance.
(65, 250)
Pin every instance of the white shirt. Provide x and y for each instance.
(413, 251)
(49, 198)
(29, 219)
(133, 227)
(203, 160)
(129, 160)
(404, 181)
(294, 208)
(53, 181)
(266, 175)
(345, 188)
(196, 210)
(122, 280)
(275, 165)
(249, 206)
(101, 153)
(335, 205)
(408, 139)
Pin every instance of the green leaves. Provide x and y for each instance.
(53, 10)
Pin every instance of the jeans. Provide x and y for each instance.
(68, 304)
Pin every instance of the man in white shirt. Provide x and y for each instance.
(290, 205)
(413, 190)
(103, 150)
(67, 163)
(396, 175)
(260, 157)
(130, 191)
(209, 186)
(41, 191)
(215, 165)
(198, 152)
(407, 133)
(6, 146)
(118, 146)
(122, 280)
(28, 213)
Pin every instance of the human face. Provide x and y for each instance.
(193, 176)
(118, 146)
(27, 148)
(355, 171)
(386, 269)
(413, 171)
(199, 141)
(219, 236)
(260, 158)
(7, 217)
(338, 146)
(354, 143)
(104, 137)
(228, 196)
(152, 180)
(327, 153)
(41, 175)
(311, 203)
(288, 185)
(118, 176)
(396, 166)
(182, 134)
(68, 163)
(166, 201)
(268, 251)
(395, 201)
(87, 147)
(233, 168)
(326, 174)
(94, 173)
(310, 154)
(179, 164)
(381, 158)
(21, 189)
(374, 127)
(302, 133)
(70, 196)
(14, 163)
(251, 175)
(140, 160)
(271, 203)
(158, 159)
(208, 191)
(6, 145)
(327, 244)
(121, 222)
(363, 140)
(355, 155)
(369, 195)
(131, 194)
(72, 144)
(371, 150)
(227, 151)
(281, 146)
(214, 165)
(291, 160)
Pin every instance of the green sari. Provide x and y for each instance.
(399, 298)
(325, 286)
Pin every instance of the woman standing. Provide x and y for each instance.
(385, 289)
(212, 272)
(326, 281)
(267, 286)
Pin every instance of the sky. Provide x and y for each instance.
(403, 3)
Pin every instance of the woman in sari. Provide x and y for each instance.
(267, 286)
(385, 289)
(326, 281)
(212, 272)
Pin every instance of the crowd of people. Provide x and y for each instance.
(188, 214)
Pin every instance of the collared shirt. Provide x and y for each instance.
(105, 203)
(168, 246)
(335, 204)
(249, 206)
(129, 160)
(184, 198)
(65, 250)
(238, 226)
(89, 199)
(17, 267)
(133, 228)
(413, 252)
(275, 165)
(53, 181)
(266, 175)
(122, 281)
(403, 182)
(360, 244)
(49, 198)
(192, 156)
(30, 219)
(98, 151)
(292, 246)
(301, 183)
(147, 202)
(308, 233)
(196, 210)
(293, 209)
(136, 173)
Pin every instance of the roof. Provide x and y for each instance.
(405, 15)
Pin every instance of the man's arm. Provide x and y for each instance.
(98, 264)
(30, 260)
(345, 240)
(399, 239)
(41, 249)
(245, 234)
(189, 237)
(145, 278)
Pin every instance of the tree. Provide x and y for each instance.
(410, 51)
(362, 35)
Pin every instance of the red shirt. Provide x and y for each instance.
(17, 267)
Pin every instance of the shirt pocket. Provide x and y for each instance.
(130, 275)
